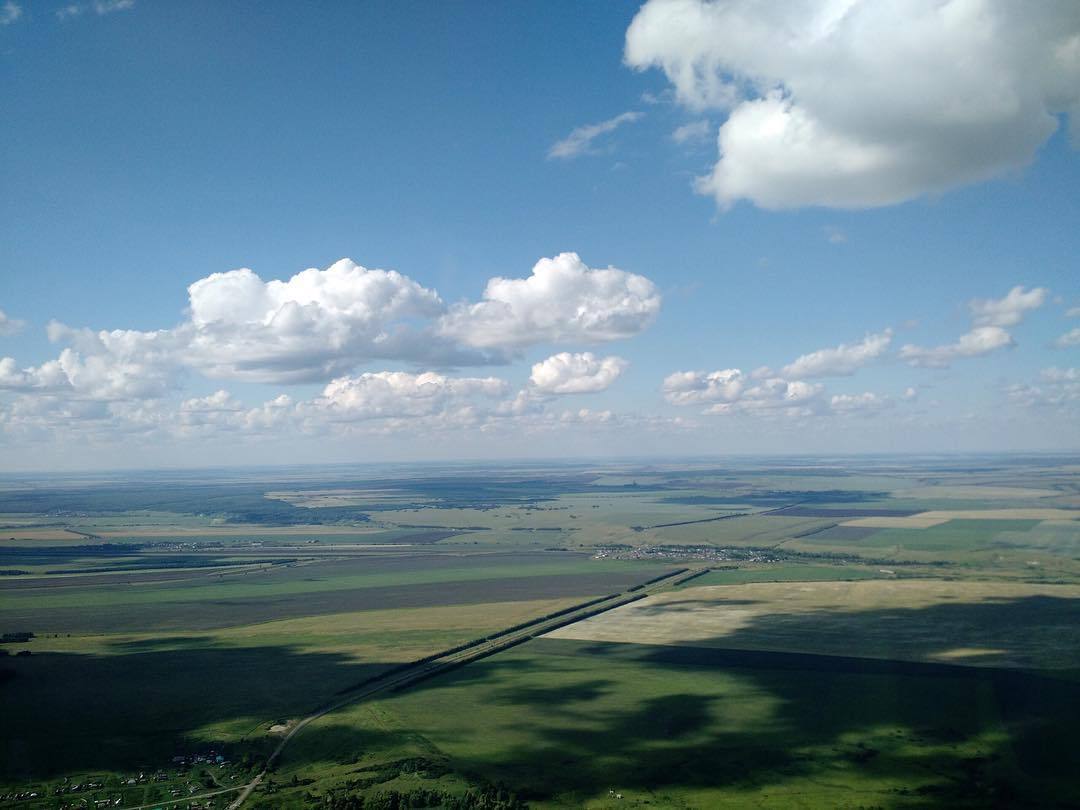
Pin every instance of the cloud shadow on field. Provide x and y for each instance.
(929, 734)
(591, 716)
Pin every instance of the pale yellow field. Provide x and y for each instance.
(227, 531)
(980, 623)
(884, 522)
(39, 534)
(977, 492)
(311, 499)
(1002, 514)
(395, 635)
(925, 520)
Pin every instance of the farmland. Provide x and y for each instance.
(863, 632)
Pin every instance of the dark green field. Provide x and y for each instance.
(564, 722)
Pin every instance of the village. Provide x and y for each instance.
(187, 775)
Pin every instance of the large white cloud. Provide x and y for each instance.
(584, 373)
(317, 324)
(563, 300)
(840, 361)
(860, 103)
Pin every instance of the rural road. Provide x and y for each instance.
(423, 670)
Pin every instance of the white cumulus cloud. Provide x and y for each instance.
(566, 373)
(862, 103)
(1007, 311)
(317, 324)
(979, 341)
(398, 394)
(732, 391)
(563, 300)
(840, 361)
(864, 403)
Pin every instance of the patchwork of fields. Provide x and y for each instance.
(858, 633)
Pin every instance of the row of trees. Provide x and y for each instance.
(483, 798)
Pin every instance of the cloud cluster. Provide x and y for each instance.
(989, 317)
(580, 140)
(320, 324)
(1057, 389)
(106, 365)
(730, 391)
(566, 373)
(864, 103)
(399, 394)
(99, 7)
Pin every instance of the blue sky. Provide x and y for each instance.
(150, 145)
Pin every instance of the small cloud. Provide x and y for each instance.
(979, 341)
(10, 12)
(1007, 311)
(10, 326)
(99, 7)
(69, 11)
(694, 132)
(834, 235)
(839, 361)
(1073, 312)
(1069, 339)
(580, 140)
(663, 97)
(567, 373)
(110, 6)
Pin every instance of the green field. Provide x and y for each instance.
(819, 662)
(565, 722)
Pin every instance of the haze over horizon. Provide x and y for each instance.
(437, 232)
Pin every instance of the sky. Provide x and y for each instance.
(256, 233)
